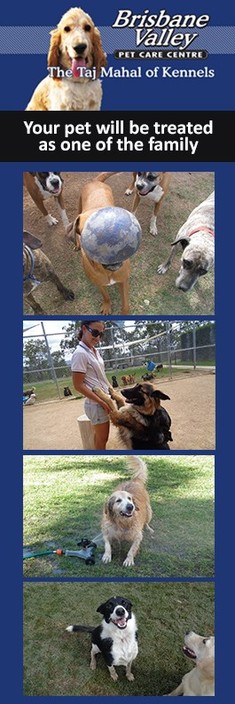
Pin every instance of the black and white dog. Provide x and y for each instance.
(115, 638)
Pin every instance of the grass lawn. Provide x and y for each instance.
(63, 501)
(47, 390)
(57, 663)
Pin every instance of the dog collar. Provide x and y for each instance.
(204, 229)
(30, 276)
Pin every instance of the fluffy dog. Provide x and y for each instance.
(199, 682)
(42, 185)
(153, 186)
(197, 239)
(37, 268)
(144, 424)
(115, 638)
(126, 512)
(75, 48)
(94, 195)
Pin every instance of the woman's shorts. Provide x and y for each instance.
(95, 412)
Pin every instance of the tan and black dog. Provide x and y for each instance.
(36, 269)
(152, 185)
(143, 424)
(42, 185)
(94, 195)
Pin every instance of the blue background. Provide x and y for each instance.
(16, 85)
(20, 73)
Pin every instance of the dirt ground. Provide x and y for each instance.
(53, 425)
(149, 292)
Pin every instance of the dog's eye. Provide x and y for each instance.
(201, 271)
(152, 177)
(204, 641)
(188, 264)
(67, 28)
(87, 28)
(118, 501)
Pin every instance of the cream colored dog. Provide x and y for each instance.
(76, 52)
(126, 512)
(199, 682)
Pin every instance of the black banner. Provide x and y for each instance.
(125, 137)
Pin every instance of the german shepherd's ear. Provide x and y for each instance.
(159, 394)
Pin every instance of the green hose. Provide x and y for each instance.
(37, 554)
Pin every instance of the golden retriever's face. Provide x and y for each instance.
(76, 44)
(201, 651)
(121, 504)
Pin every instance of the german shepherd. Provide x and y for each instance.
(144, 425)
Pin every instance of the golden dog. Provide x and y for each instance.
(74, 61)
(126, 512)
(199, 682)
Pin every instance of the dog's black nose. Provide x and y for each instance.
(54, 181)
(129, 507)
(80, 48)
(120, 611)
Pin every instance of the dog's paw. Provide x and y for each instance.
(106, 558)
(51, 220)
(68, 294)
(106, 308)
(162, 269)
(128, 192)
(93, 665)
(128, 562)
(114, 676)
(130, 676)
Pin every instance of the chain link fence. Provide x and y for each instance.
(174, 344)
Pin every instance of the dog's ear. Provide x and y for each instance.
(184, 241)
(135, 505)
(31, 241)
(53, 58)
(73, 232)
(102, 608)
(99, 56)
(108, 507)
(161, 395)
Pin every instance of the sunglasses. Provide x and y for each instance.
(94, 332)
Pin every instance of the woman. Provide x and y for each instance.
(88, 371)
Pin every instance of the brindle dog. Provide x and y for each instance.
(36, 269)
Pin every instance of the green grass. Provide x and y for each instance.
(57, 663)
(47, 390)
(64, 498)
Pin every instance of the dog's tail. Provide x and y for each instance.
(139, 468)
(80, 629)
(106, 174)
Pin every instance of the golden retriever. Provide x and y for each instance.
(74, 61)
(126, 512)
(199, 682)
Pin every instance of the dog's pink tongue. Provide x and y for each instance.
(76, 65)
(121, 621)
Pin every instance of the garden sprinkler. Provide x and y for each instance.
(86, 553)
